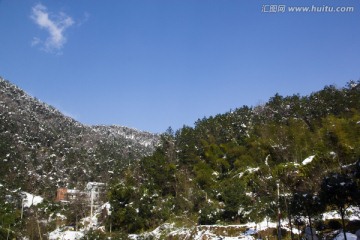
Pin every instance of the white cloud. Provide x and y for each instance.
(35, 41)
(55, 25)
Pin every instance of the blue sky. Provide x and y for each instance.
(151, 64)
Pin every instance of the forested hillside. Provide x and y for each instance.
(294, 154)
(227, 168)
(42, 149)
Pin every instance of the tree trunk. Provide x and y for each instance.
(298, 227)
(311, 229)
(38, 225)
(342, 213)
(8, 233)
(290, 223)
(291, 228)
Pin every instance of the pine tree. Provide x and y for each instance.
(340, 191)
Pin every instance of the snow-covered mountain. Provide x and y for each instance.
(42, 149)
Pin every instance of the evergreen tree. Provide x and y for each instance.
(339, 191)
(237, 203)
(306, 204)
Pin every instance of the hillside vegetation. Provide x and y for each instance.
(41, 150)
(227, 168)
(299, 154)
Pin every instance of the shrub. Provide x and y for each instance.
(334, 224)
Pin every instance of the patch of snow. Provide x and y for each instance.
(308, 160)
(73, 191)
(30, 200)
(106, 206)
(207, 234)
(90, 222)
(60, 216)
(249, 170)
(68, 235)
(156, 233)
(350, 213)
(349, 236)
(249, 194)
(267, 160)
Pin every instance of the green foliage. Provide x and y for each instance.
(95, 235)
(226, 168)
(159, 163)
(223, 169)
(339, 190)
(204, 175)
(137, 209)
(306, 204)
(9, 214)
(209, 215)
(236, 202)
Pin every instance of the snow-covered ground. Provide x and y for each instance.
(65, 235)
(87, 223)
(207, 231)
(353, 214)
(349, 236)
(245, 231)
(308, 160)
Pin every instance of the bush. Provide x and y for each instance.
(4, 234)
(119, 236)
(320, 225)
(209, 215)
(353, 226)
(334, 224)
(94, 234)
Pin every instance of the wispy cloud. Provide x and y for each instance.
(84, 19)
(54, 24)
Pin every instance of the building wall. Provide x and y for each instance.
(61, 195)
(93, 189)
